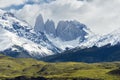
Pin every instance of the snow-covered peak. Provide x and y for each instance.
(19, 33)
(8, 39)
(70, 34)
(112, 38)
(8, 18)
(45, 39)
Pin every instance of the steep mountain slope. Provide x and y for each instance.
(10, 42)
(90, 55)
(112, 38)
(39, 25)
(43, 40)
(67, 34)
(70, 30)
(94, 49)
(18, 33)
(18, 39)
(50, 28)
(71, 35)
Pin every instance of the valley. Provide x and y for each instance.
(30, 69)
(59, 40)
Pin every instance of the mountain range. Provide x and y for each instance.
(18, 39)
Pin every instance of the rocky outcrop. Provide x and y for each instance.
(65, 30)
(70, 30)
(39, 24)
(50, 28)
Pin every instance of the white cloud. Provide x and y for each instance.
(7, 3)
(28, 13)
(102, 16)
(55, 10)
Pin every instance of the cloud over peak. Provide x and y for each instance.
(7, 3)
(102, 16)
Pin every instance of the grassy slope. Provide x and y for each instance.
(11, 67)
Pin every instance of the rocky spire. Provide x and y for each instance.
(50, 28)
(39, 24)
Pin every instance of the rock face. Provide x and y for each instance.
(70, 30)
(39, 24)
(50, 28)
(66, 30)
(17, 37)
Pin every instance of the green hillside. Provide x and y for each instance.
(11, 68)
